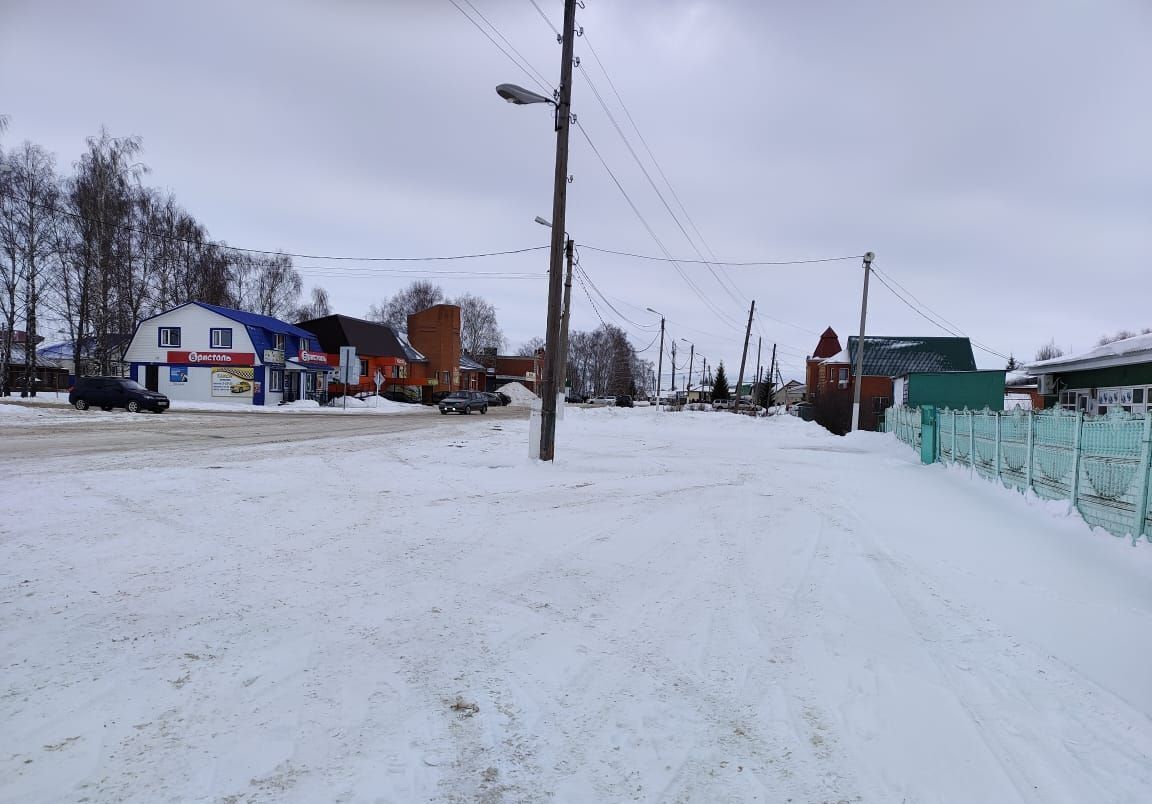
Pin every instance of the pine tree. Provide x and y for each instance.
(720, 386)
(1013, 363)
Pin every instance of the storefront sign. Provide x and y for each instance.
(274, 356)
(318, 358)
(213, 358)
(234, 383)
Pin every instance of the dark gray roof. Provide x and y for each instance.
(886, 356)
(369, 337)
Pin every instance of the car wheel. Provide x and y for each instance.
(80, 404)
(484, 409)
(133, 406)
(467, 410)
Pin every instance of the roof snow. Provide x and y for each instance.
(1123, 348)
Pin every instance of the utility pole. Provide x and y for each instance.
(555, 267)
(771, 375)
(868, 257)
(691, 358)
(759, 367)
(568, 251)
(673, 372)
(744, 356)
(659, 360)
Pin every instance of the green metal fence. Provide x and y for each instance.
(1099, 463)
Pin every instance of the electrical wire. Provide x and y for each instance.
(652, 182)
(544, 17)
(543, 81)
(704, 299)
(720, 262)
(527, 70)
(931, 320)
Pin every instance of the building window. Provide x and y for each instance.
(169, 336)
(880, 403)
(279, 342)
(276, 380)
(842, 380)
(1138, 396)
(221, 338)
(363, 367)
(399, 372)
(304, 345)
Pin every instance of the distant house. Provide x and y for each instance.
(789, 393)
(1115, 375)
(49, 375)
(885, 357)
(378, 348)
(94, 354)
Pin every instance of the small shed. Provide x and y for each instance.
(974, 390)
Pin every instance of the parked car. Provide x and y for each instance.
(623, 401)
(722, 404)
(602, 401)
(115, 392)
(497, 398)
(464, 402)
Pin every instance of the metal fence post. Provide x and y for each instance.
(1141, 527)
(1031, 444)
(1076, 459)
(972, 439)
(998, 416)
(953, 435)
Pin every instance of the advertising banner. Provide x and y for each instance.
(234, 383)
(213, 358)
(177, 374)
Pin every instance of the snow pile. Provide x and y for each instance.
(683, 607)
(301, 404)
(1127, 346)
(349, 402)
(519, 394)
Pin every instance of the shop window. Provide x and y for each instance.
(169, 336)
(276, 380)
(221, 338)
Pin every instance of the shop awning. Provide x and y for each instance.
(292, 364)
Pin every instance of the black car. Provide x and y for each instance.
(497, 398)
(464, 402)
(623, 401)
(115, 392)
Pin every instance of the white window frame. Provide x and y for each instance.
(167, 342)
(276, 381)
(219, 331)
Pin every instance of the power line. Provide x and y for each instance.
(527, 70)
(660, 170)
(652, 183)
(504, 39)
(707, 302)
(544, 17)
(931, 320)
(720, 262)
(225, 247)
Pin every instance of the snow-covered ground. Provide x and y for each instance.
(686, 607)
(373, 405)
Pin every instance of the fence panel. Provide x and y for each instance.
(1101, 464)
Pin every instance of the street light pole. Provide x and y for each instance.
(691, 359)
(868, 257)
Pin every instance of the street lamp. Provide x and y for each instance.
(660, 359)
(563, 103)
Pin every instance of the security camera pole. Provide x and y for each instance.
(868, 257)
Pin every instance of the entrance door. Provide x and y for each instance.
(152, 378)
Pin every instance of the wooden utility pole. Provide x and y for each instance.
(659, 362)
(759, 367)
(555, 267)
(771, 376)
(673, 371)
(568, 251)
(868, 257)
(744, 356)
(691, 359)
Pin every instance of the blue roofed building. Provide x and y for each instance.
(202, 352)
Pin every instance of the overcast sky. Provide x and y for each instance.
(996, 156)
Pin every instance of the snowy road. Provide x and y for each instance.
(686, 608)
(117, 432)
